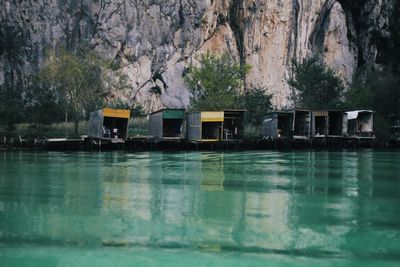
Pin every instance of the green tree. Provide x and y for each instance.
(77, 80)
(359, 95)
(43, 105)
(314, 85)
(379, 91)
(13, 42)
(257, 102)
(217, 83)
(11, 105)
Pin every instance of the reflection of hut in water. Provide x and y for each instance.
(327, 123)
(301, 123)
(109, 124)
(124, 198)
(278, 125)
(215, 125)
(358, 123)
(212, 172)
(167, 124)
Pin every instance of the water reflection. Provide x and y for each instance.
(308, 203)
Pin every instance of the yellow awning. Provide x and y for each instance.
(116, 113)
(212, 116)
(320, 113)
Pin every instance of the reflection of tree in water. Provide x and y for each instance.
(51, 199)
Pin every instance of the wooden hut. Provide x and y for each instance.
(358, 123)
(278, 125)
(110, 124)
(301, 123)
(167, 124)
(208, 126)
(327, 123)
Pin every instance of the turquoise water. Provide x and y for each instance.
(200, 209)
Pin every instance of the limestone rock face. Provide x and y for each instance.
(153, 41)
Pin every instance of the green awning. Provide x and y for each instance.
(173, 114)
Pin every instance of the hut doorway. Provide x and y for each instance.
(335, 123)
(211, 130)
(115, 127)
(172, 127)
(284, 125)
(108, 123)
(233, 124)
(320, 123)
(302, 123)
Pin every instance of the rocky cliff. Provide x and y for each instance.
(153, 41)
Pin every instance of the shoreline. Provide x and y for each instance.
(143, 145)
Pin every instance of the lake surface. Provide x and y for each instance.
(200, 209)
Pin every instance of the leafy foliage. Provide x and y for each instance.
(388, 45)
(13, 42)
(76, 79)
(359, 96)
(11, 104)
(217, 83)
(315, 86)
(43, 105)
(257, 102)
(379, 91)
